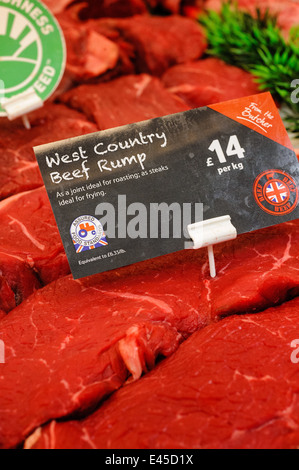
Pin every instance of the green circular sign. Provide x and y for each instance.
(32, 50)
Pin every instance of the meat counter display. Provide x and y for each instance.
(155, 355)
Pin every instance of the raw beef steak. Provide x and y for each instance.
(108, 27)
(143, 43)
(17, 281)
(19, 170)
(208, 81)
(171, 5)
(74, 342)
(231, 385)
(110, 8)
(124, 100)
(56, 6)
(160, 42)
(255, 271)
(31, 252)
(130, 304)
(90, 54)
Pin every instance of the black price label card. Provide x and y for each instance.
(127, 194)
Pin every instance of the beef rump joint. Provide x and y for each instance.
(157, 354)
(74, 342)
(110, 8)
(57, 6)
(109, 326)
(150, 44)
(208, 81)
(31, 251)
(125, 100)
(19, 170)
(89, 53)
(160, 42)
(231, 385)
(255, 271)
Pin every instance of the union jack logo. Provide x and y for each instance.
(276, 192)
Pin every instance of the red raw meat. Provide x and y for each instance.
(125, 100)
(89, 53)
(287, 11)
(167, 293)
(209, 81)
(19, 170)
(255, 271)
(31, 252)
(172, 6)
(74, 342)
(146, 44)
(110, 8)
(108, 28)
(17, 282)
(57, 6)
(161, 42)
(232, 385)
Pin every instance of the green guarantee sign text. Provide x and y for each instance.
(32, 49)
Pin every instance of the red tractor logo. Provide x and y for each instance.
(85, 229)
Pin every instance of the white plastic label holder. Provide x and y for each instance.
(211, 232)
(21, 105)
